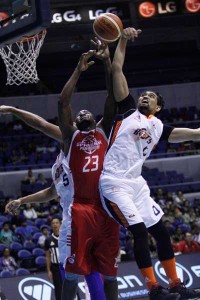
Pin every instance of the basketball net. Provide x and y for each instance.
(20, 59)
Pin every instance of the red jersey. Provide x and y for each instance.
(85, 158)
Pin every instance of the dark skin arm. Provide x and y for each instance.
(33, 121)
(64, 108)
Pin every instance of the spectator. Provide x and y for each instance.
(6, 235)
(41, 179)
(42, 210)
(17, 219)
(29, 212)
(7, 262)
(186, 216)
(41, 148)
(42, 238)
(188, 245)
(169, 226)
(29, 178)
(178, 235)
(196, 233)
(179, 197)
(25, 231)
(51, 148)
(14, 157)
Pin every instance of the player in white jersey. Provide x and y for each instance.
(125, 194)
(64, 187)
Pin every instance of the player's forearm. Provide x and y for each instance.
(30, 119)
(66, 94)
(37, 123)
(41, 196)
(179, 135)
(120, 52)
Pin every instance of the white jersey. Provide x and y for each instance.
(63, 182)
(132, 139)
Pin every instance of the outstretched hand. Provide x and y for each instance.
(83, 63)
(12, 206)
(130, 33)
(102, 50)
(4, 109)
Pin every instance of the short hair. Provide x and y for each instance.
(6, 223)
(56, 218)
(160, 101)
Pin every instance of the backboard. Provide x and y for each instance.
(19, 18)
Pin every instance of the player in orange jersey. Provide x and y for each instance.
(126, 195)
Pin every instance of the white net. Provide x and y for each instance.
(20, 59)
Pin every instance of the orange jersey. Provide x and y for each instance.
(85, 158)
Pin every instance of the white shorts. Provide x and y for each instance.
(64, 242)
(128, 201)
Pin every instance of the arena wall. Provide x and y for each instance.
(187, 165)
(176, 95)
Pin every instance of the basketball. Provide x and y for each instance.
(108, 27)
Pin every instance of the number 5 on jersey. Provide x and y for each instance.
(92, 163)
(65, 180)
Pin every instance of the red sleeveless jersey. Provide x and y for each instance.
(86, 157)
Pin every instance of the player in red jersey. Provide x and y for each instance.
(93, 237)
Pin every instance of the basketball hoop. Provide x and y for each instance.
(20, 59)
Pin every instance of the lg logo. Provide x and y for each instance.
(149, 9)
(192, 6)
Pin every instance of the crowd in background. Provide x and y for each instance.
(22, 148)
(29, 227)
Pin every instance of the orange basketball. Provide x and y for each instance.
(108, 27)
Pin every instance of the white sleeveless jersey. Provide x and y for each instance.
(132, 139)
(63, 182)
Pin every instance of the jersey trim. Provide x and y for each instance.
(126, 104)
(55, 237)
(71, 143)
(99, 129)
(118, 121)
(115, 212)
(166, 132)
(114, 132)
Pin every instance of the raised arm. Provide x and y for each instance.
(39, 197)
(179, 135)
(34, 121)
(64, 108)
(120, 86)
(110, 105)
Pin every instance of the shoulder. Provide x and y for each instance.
(101, 132)
(126, 104)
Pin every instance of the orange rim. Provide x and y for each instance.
(30, 38)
